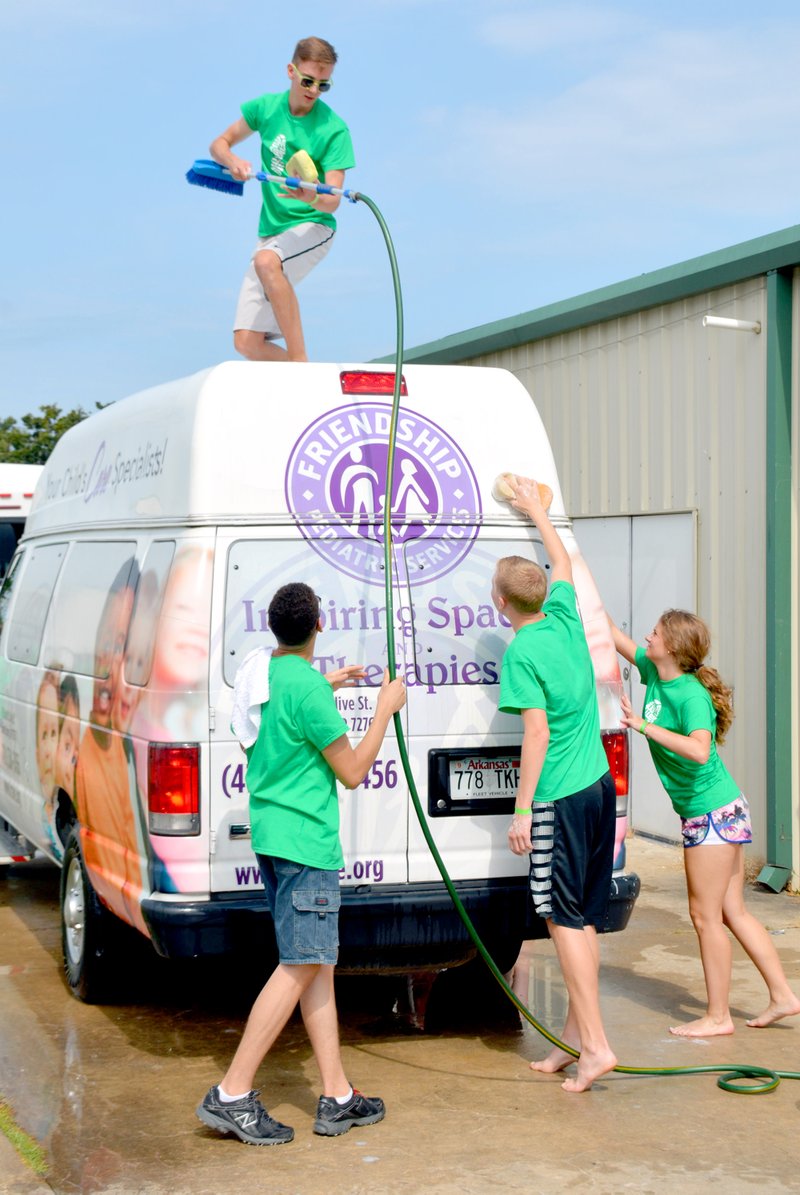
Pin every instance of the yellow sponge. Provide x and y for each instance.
(505, 484)
(502, 491)
(300, 165)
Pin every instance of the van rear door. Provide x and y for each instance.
(465, 753)
(251, 565)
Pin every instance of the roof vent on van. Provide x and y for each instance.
(364, 381)
(173, 788)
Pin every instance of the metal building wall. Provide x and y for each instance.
(653, 412)
(795, 499)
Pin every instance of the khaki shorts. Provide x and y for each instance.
(300, 248)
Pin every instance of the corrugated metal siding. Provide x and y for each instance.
(653, 412)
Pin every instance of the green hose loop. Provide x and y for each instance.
(732, 1078)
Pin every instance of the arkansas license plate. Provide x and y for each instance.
(476, 776)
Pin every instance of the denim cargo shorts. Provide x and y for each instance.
(304, 902)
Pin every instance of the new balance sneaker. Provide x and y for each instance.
(247, 1118)
(334, 1119)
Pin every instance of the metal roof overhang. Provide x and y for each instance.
(776, 251)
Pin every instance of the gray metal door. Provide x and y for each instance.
(643, 565)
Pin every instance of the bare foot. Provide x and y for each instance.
(556, 1060)
(775, 1012)
(703, 1027)
(590, 1067)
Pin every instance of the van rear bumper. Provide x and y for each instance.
(385, 927)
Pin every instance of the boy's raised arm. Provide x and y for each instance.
(528, 500)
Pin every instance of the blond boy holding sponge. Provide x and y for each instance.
(565, 811)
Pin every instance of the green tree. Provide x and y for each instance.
(30, 439)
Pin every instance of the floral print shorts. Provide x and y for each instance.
(728, 824)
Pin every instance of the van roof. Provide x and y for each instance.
(214, 447)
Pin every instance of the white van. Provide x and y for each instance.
(159, 531)
(17, 484)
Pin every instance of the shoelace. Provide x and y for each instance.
(254, 1105)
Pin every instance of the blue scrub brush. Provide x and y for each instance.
(210, 174)
(204, 173)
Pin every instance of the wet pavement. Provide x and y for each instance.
(109, 1091)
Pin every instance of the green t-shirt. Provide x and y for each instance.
(547, 667)
(683, 705)
(294, 809)
(321, 133)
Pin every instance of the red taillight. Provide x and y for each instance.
(173, 788)
(616, 745)
(362, 381)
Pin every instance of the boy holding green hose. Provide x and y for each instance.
(296, 751)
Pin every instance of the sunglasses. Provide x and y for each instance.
(308, 81)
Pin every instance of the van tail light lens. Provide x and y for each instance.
(364, 381)
(173, 788)
(616, 745)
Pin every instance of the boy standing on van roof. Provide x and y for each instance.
(566, 802)
(297, 227)
(299, 752)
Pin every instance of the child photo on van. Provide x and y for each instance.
(47, 740)
(565, 814)
(128, 693)
(69, 733)
(47, 701)
(297, 748)
(126, 696)
(175, 704)
(103, 797)
(56, 764)
(162, 691)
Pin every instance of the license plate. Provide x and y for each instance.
(476, 776)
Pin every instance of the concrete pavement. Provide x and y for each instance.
(112, 1094)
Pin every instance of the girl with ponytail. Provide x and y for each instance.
(688, 710)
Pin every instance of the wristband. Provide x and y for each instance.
(643, 729)
(521, 812)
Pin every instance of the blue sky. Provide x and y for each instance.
(521, 152)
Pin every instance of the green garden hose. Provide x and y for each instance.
(742, 1079)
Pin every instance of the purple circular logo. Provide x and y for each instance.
(336, 483)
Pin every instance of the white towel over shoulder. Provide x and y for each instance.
(250, 691)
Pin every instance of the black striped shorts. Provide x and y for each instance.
(572, 855)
